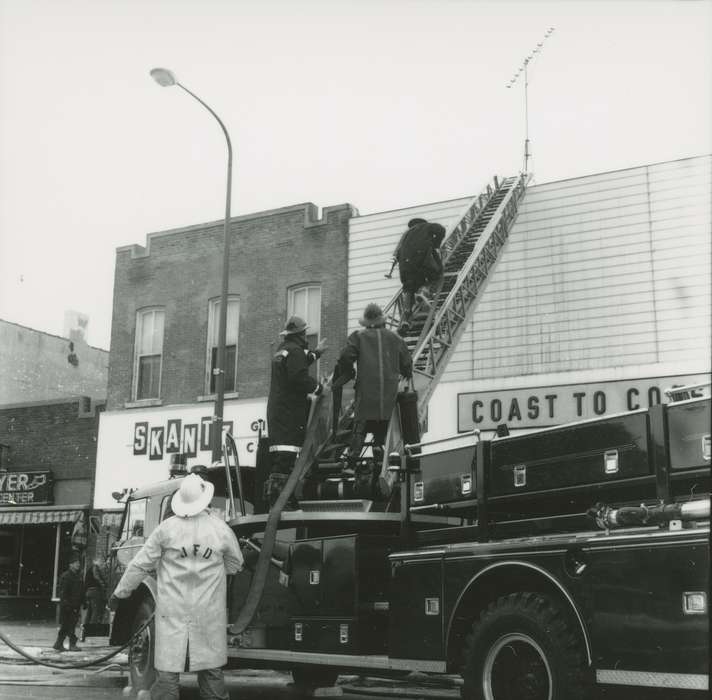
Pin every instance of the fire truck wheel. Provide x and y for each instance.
(143, 673)
(522, 648)
(314, 676)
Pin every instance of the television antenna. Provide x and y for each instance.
(523, 69)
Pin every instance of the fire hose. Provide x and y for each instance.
(312, 445)
(83, 664)
(659, 514)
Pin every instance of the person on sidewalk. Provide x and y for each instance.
(381, 358)
(193, 551)
(95, 592)
(419, 261)
(288, 405)
(71, 595)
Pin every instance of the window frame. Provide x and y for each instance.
(213, 325)
(291, 311)
(141, 314)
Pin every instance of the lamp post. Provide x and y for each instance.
(166, 78)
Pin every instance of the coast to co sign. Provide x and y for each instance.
(540, 407)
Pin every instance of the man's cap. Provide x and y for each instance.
(192, 497)
(415, 221)
(372, 316)
(295, 324)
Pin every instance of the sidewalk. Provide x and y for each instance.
(37, 638)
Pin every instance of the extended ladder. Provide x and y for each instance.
(469, 252)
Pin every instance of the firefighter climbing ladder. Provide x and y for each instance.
(469, 252)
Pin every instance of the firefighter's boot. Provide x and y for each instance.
(59, 644)
(406, 312)
(357, 438)
(274, 485)
(423, 299)
(363, 481)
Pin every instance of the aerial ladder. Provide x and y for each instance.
(469, 251)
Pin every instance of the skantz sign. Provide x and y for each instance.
(174, 435)
(540, 407)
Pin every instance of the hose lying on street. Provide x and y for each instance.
(83, 664)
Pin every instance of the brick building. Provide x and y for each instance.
(46, 484)
(164, 333)
(51, 389)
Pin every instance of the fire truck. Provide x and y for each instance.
(535, 566)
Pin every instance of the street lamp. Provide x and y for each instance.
(166, 78)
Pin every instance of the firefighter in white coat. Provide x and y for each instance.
(192, 552)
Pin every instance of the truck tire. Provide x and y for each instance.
(522, 648)
(314, 676)
(141, 650)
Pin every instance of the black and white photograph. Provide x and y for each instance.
(355, 349)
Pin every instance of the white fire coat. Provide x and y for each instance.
(191, 557)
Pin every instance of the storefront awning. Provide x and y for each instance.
(40, 515)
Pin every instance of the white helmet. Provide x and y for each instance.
(192, 497)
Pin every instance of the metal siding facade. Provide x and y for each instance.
(372, 239)
(602, 271)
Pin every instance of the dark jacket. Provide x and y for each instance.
(380, 356)
(287, 405)
(415, 244)
(71, 589)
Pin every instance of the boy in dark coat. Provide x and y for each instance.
(71, 594)
(287, 404)
(381, 358)
(419, 261)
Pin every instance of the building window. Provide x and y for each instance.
(231, 333)
(305, 301)
(148, 354)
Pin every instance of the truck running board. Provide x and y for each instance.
(341, 661)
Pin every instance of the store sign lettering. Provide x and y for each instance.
(23, 488)
(541, 407)
(173, 436)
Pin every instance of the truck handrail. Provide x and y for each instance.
(230, 445)
(408, 448)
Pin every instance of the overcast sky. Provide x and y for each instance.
(380, 103)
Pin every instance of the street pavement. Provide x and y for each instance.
(20, 679)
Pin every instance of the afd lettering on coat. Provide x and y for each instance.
(173, 436)
(546, 406)
(196, 550)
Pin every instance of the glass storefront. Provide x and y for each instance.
(27, 560)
